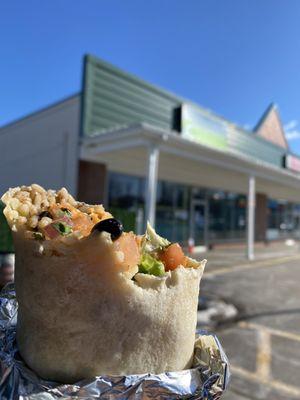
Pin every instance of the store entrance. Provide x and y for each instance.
(199, 222)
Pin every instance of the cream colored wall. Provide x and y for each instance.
(42, 148)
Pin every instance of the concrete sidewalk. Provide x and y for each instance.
(235, 255)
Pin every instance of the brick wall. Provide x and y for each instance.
(271, 129)
(261, 217)
(92, 182)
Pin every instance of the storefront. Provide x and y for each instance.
(189, 171)
(151, 155)
(183, 211)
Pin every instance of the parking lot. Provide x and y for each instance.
(263, 342)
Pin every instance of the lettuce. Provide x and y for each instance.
(152, 244)
(152, 241)
(149, 265)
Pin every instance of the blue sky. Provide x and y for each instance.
(232, 56)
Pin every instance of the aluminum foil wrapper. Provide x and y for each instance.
(206, 380)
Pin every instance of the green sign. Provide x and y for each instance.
(203, 128)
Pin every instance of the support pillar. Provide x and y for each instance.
(151, 184)
(250, 218)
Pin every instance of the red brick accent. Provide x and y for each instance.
(271, 129)
(261, 217)
(92, 182)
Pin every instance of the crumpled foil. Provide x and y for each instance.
(206, 380)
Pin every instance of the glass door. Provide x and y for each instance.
(199, 222)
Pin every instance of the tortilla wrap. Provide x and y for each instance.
(80, 316)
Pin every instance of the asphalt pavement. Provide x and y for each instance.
(263, 342)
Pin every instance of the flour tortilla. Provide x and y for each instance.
(79, 316)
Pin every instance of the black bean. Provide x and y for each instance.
(45, 214)
(110, 225)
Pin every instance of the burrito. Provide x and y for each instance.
(93, 299)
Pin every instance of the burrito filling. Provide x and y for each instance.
(56, 216)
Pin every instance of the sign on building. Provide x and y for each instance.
(291, 162)
(203, 128)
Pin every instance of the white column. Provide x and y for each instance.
(151, 184)
(251, 218)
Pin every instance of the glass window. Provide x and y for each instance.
(227, 216)
(226, 210)
(172, 211)
(126, 200)
(125, 191)
(283, 220)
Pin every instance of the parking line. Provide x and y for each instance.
(276, 332)
(263, 373)
(272, 383)
(258, 264)
(263, 354)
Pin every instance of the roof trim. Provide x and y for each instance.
(114, 140)
(39, 110)
(128, 75)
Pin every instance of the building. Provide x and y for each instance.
(149, 154)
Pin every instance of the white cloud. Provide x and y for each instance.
(247, 127)
(291, 125)
(291, 135)
(292, 130)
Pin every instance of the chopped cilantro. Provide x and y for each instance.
(62, 228)
(65, 212)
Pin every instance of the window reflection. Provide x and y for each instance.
(172, 211)
(227, 216)
(182, 210)
(283, 220)
(125, 191)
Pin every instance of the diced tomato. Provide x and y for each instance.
(172, 257)
(51, 232)
(65, 219)
(128, 245)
